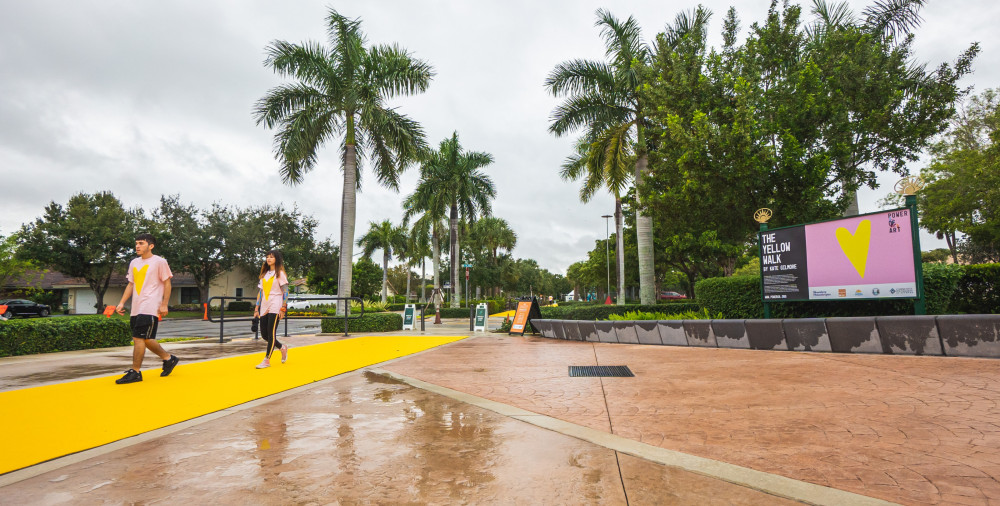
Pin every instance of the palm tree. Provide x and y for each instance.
(339, 94)
(493, 234)
(418, 249)
(432, 208)
(388, 238)
(594, 165)
(452, 177)
(604, 98)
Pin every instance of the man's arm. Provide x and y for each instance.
(125, 296)
(166, 298)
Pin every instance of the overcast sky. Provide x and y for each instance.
(152, 98)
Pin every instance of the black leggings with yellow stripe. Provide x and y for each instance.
(269, 329)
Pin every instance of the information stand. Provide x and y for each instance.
(527, 310)
(481, 316)
(408, 315)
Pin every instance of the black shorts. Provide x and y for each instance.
(144, 326)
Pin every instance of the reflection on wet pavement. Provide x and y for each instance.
(364, 438)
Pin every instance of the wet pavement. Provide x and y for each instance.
(366, 439)
(912, 430)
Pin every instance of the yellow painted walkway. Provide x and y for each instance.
(47, 422)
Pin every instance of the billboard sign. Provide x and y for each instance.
(862, 257)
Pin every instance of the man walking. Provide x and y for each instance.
(149, 287)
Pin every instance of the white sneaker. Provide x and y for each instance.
(284, 353)
(265, 364)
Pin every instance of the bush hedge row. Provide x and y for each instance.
(602, 312)
(373, 322)
(978, 290)
(46, 335)
(739, 297)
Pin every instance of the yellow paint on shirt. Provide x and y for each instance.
(266, 283)
(139, 278)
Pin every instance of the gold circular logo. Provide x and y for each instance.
(762, 215)
(909, 185)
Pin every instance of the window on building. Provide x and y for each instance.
(239, 292)
(190, 295)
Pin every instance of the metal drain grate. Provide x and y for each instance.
(593, 371)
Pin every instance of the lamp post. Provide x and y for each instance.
(607, 253)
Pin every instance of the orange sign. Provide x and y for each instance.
(109, 310)
(3, 308)
(521, 317)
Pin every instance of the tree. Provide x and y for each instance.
(92, 237)
(257, 230)
(452, 177)
(340, 92)
(386, 237)
(367, 276)
(12, 266)
(432, 209)
(794, 120)
(592, 164)
(963, 178)
(321, 275)
(194, 241)
(487, 237)
(605, 98)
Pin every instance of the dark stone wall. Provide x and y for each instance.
(954, 335)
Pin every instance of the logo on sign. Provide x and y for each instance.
(842, 292)
(892, 290)
(875, 291)
(859, 293)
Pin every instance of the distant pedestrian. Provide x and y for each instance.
(272, 303)
(149, 287)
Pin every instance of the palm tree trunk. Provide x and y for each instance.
(423, 280)
(454, 255)
(407, 301)
(435, 243)
(620, 250)
(644, 239)
(347, 217)
(385, 275)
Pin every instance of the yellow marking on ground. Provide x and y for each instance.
(505, 314)
(46, 422)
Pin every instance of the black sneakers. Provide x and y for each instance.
(168, 365)
(131, 376)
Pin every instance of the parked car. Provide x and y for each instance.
(21, 307)
(299, 304)
(672, 295)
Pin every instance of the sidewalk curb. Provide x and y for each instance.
(768, 483)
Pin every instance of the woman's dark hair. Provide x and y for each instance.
(279, 264)
(146, 237)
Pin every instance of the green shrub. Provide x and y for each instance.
(603, 312)
(739, 297)
(374, 322)
(240, 305)
(977, 290)
(687, 315)
(27, 337)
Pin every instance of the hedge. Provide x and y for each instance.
(977, 290)
(373, 322)
(739, 297)
(240, 305)
(47, 335)
(602, 312)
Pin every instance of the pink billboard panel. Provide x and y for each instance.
(861, 257)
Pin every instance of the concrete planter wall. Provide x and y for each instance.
(948, 335)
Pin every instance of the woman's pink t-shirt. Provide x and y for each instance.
(271, 292)
(148, 277)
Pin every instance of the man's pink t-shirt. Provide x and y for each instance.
(271, 292)
(147, 277)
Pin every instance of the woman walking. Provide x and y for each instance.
(272, 302)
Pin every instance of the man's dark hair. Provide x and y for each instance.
(146, 237)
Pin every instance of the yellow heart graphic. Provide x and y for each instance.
(139, 278)
(266, 283)
(856, 245)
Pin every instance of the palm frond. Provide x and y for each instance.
(284, 100)
(581, 76)
(394, 72)
(893, 18)
(592, 110)
(623, 41)
(687, 23)
(347, 40)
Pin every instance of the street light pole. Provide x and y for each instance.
(607, 254)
